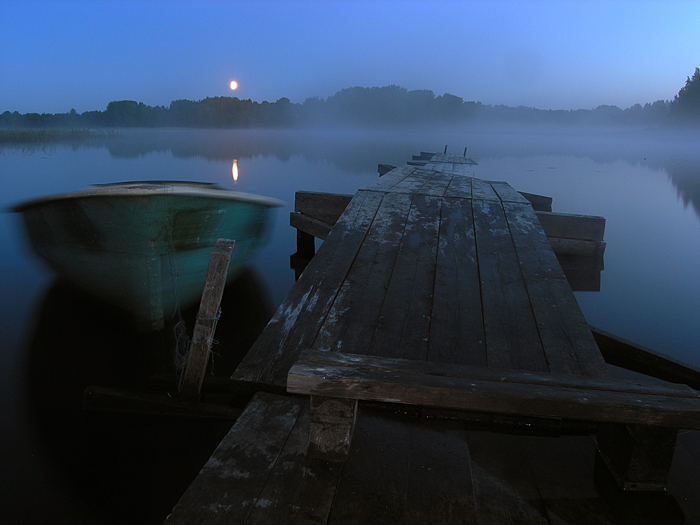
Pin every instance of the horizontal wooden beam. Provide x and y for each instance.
(117, 401)
(494, 391)
(621, 352)
(570, 226)
(324, 207)
(562, 246)
(309, 225)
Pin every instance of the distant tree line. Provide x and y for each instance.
(357, 106)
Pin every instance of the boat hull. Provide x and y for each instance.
(146, 251)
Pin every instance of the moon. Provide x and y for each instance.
(234, 85)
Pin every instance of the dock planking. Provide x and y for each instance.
(430, 265)
(435, 266)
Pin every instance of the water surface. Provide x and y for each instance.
(60, 466)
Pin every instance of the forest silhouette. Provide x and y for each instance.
(359, 106)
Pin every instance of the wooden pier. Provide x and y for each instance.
(436, 310)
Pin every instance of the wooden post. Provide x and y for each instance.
(638, 456)
(332, 425)
(206, 319)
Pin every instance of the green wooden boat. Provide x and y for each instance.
(145, 246)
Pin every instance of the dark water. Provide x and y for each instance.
(60, 465)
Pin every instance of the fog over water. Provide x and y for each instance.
(56, 342)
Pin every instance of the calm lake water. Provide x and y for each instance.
(59, 465)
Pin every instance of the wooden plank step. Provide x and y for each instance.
(496, 391)
(259, 473)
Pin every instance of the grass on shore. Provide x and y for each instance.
(39, 136)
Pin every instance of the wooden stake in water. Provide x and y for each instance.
(206, 320)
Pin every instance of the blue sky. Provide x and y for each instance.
(58, 55)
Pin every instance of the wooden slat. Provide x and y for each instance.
(355, 312)
(624, 353)
(498, 396)
(335, 360)
(512, 338)
(388, 181)
(404, 319)
(299, 317)
(405, 470)
(324, 207)
(309, 225)
(483, 190)
(460, 187)
(507, 194)
(207, 316)
(569, 226)
(564, 333)
(231, 482)
(456, 325)
(437, 185)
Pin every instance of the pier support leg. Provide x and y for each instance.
(638, 456)
(306, 249)
(332, 425)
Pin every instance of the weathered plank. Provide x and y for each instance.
(482, 190)
(511, 335)
(570, 226)
(460, 187)
(624, 353)
(507, 194)
(299, 317)
(324, 207)
(436, 185)
(231, 483)
(404, 470)
(576, 246)
(562, 328)
(207, 316)
(638, 404)
(388, 181)
(456, 325)
(404, 318)
(355, 311)
(333, 360)
(298, 489)
(309, 225)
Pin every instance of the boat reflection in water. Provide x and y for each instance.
(119, 468)
(145, 246)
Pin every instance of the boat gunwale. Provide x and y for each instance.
(152, 189)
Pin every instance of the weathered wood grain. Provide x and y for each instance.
(304, 310)
(200, 344)
(623, 403)
(324, 207)
(231, 482)
(512, 338)
(570, 226)
(457, 324)
(333, 360)
(404, 470)
(404, 318)
(624, 353)
(564, 333)
(355, 311)
(309, 225)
